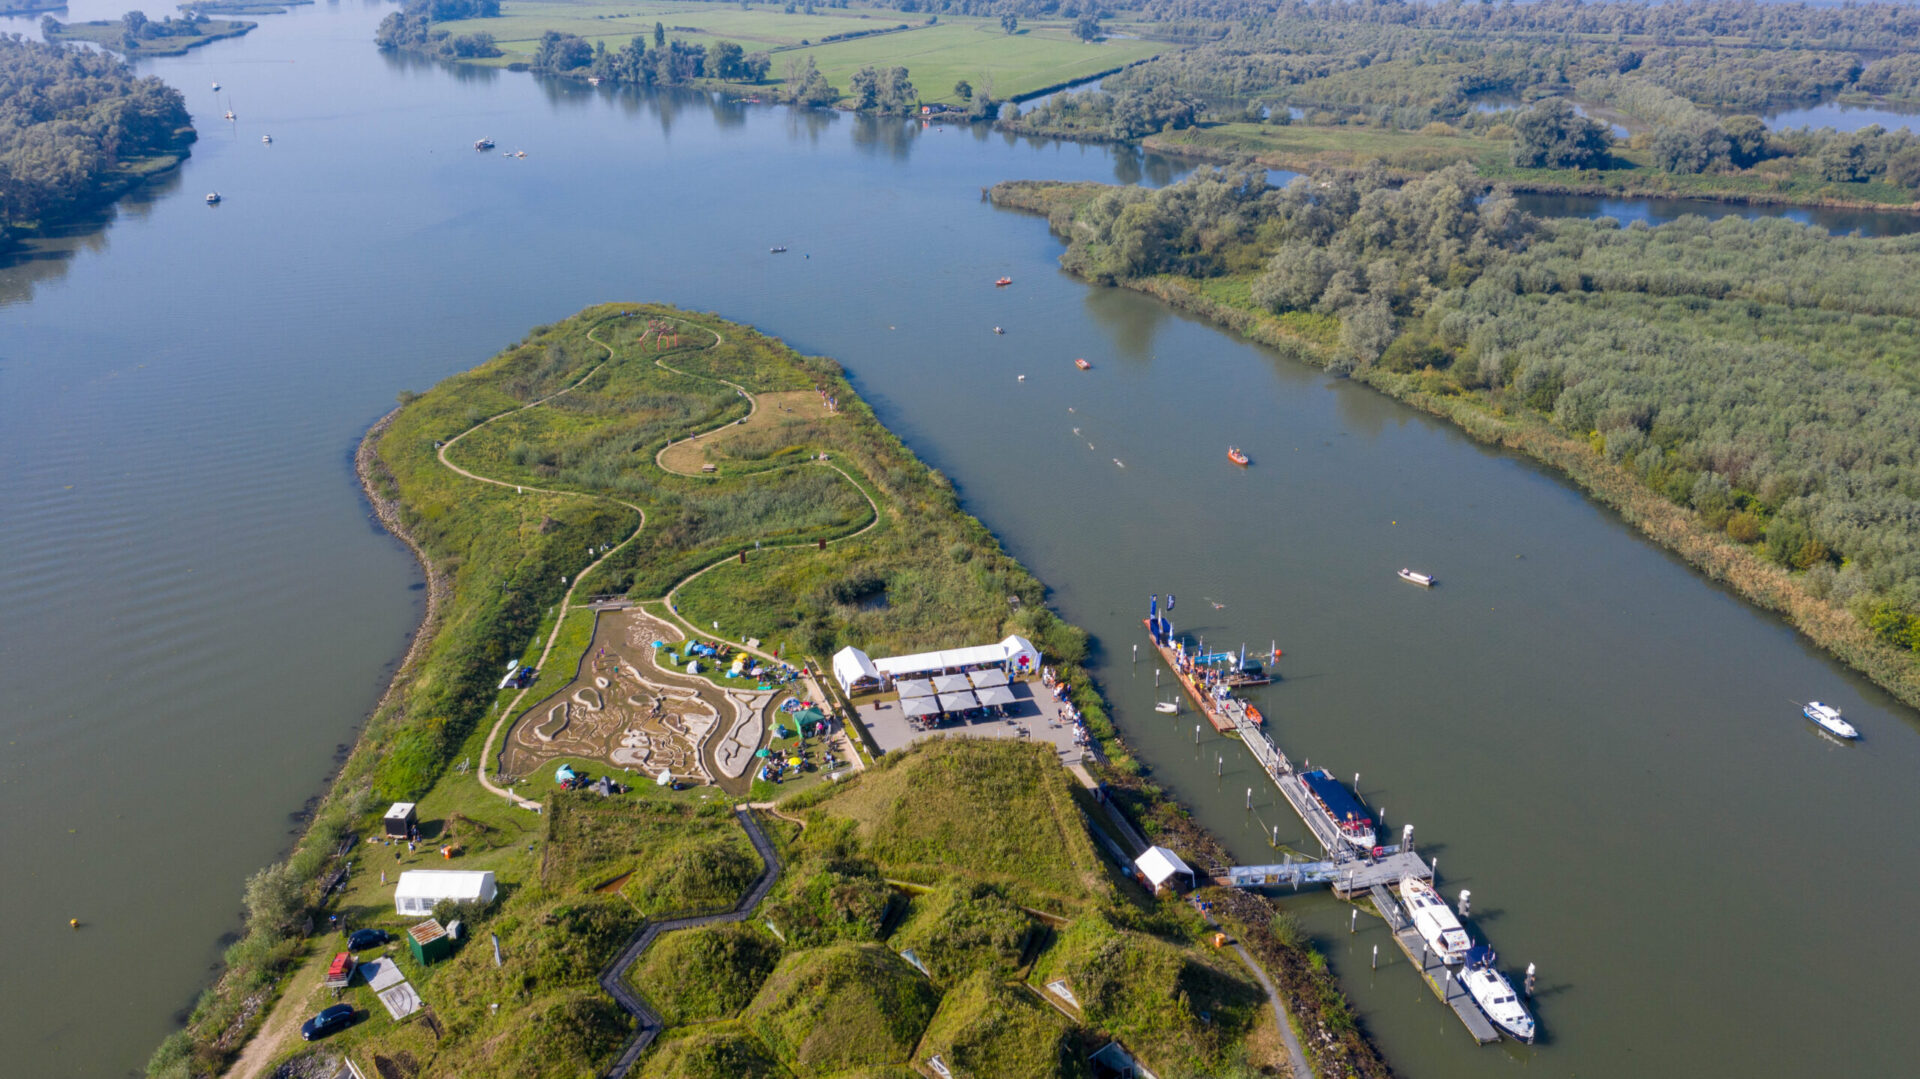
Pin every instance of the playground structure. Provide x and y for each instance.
(635, 706)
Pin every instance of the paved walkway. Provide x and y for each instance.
(614, 978)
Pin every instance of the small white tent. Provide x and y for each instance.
(420, 889)
(1163, 869)
(852, 668)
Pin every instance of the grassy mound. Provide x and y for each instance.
(593, 840)
(1181, 1011)
(706, 973)
(723, 1052)
(986, 1029)
(847, 1006)
(823, 899)
(960, 928)
(990, 809)
(711, 872)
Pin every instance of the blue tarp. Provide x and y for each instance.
(1333, 794)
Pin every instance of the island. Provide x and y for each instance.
(134, 35)
(114, 131)
(636, 803)
(1723, 385)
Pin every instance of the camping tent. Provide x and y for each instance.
(420, 889)
(854, 671)
(562, 774)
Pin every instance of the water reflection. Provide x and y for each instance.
(884, 135)
(1840, 117)
(1661, 211)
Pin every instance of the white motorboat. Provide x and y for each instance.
(1829, 717)
(213, 198)
(266, 138)
(1168, 707)
(216, 87)
(1435, 920)
(1421, 579)
(1494, 993)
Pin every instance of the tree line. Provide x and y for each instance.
(68, 119)
(1759, 373)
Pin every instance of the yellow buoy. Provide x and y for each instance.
(74, 922)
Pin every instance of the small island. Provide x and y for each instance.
(122, 129)
(135, 35)
(634, 749)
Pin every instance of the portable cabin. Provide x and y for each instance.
(429, 942)
(420, 889)
(401, 820)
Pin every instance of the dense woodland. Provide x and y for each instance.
(1760, 373)
(71, 123)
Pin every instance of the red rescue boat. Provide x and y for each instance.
(1083, 365)
(1237, 456)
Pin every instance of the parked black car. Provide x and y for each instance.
(367, 938)
(338, 1017)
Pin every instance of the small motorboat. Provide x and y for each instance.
(1421, 579)
(593, 80)
(229, 114)
(997, 329)
(216, 87)
(213, 198)
(519, 153)
(1435, 920)
(1494, 993)
(1083, 365)
(1022, 378)
(483, 144)
(1168, 707)
(1003, 282)
(1829, 718)
(781, 250)
(1237, 456)
(266, 138)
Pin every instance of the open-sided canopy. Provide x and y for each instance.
(914, 687)
(951, 683)
(915, 707)
(995, 695)
(983, 679)
(958, 702)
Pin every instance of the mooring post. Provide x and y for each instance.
(1353, 923)
(1406, 838)
(1464, 897)
(1276, 835)
(1529, 979)
(1376, 957)
(1220, 765)
(1156, 678)
(1436, 874)
(1356, 782)
(1447, 993)
(1196, 734)
(1249, 797)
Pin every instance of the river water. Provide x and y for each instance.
(1596, 741)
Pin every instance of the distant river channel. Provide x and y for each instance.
(1598, 742)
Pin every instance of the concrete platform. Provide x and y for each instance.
(1032, 716)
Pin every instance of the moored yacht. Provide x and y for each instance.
(1422, 579)
(1340, 807)
(1829, 717)
(1494, 993)
(1435, 920)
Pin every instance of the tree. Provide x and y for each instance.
(1087, 27)
(659, 35)
(865, 88)
(273, 897)
(1692, 150)
(963, 90)
(136, 24)
(1009, 23)
(1553, 136)
(725, 60)
(1747, 140)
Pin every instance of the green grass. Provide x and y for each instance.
(681, 857)
(1043, 54)
(986, 810)
(957, 929)
(725, 1051)
(1302, 146)
(704, 974)
(1183, 1012)
(987, 1029)
(846, 1006)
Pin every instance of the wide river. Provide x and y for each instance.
(199, 610)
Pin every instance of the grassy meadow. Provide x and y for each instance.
(1040, 54)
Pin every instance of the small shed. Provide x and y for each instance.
(420, 889)
(1163, 870)
(401, 820)
(429, 942)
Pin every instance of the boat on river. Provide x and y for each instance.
(997, 329)
(1422, 579)
(216, 87)
(266, 138)
(1003, 282)
(1435, 920)
(1828, 717)
(1341, 808)
(213, 198)
(780, 249)
(483, 144)
(1083, 365)
(1494, 993)
(1237, 455)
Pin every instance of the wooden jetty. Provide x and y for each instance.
(1215, 711)
(1433, 971)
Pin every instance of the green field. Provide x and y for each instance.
(1041, 54)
